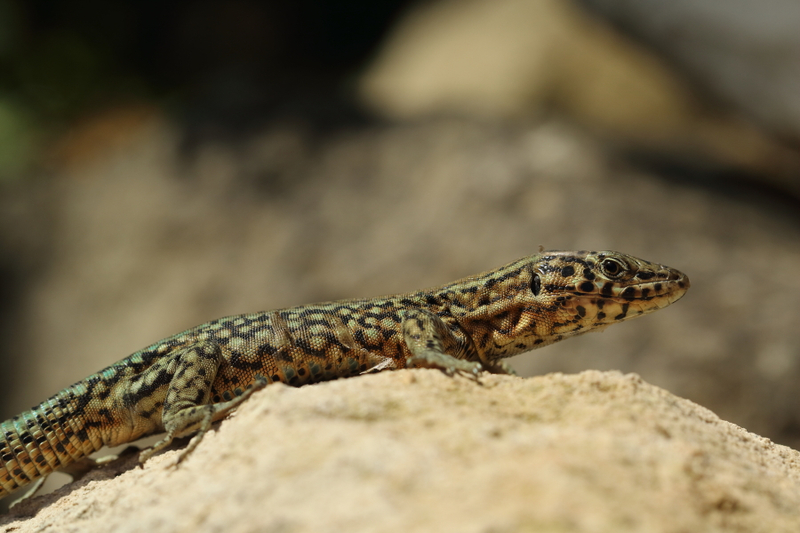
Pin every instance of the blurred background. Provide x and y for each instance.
(164, 164)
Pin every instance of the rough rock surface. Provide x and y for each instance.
(418, 451)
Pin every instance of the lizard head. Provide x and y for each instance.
(587, 291)
(548, 297)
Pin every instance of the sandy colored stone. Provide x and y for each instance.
(512, 59)
(418, 451)
(509, 58)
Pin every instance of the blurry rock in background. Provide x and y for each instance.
(517, 59)
(744, 52)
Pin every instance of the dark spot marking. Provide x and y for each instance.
(607, 289)
(601, 315)
(568, 271)
(586, 286)
(573, 259)
(237, 360)
(643, 274)
(629, 293)
(308, 322)
(548, 268)
(581, 311)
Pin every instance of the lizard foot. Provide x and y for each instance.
(499, 367)
(446, 363)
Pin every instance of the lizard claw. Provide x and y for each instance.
(446, 363)
(475, 373)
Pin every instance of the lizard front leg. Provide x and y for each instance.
(425, 334)
(186, 410)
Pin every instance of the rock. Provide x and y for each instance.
(419, 451)
(746, 53)
(517, 59)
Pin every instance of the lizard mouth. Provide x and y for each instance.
(643, 298)
(610, 302)
(661, 292)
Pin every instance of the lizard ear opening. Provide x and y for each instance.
(536, 284)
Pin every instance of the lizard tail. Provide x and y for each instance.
(45, 438)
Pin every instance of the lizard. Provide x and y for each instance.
(182, 384)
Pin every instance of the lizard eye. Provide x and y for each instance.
(613, 268)
(536, 284)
